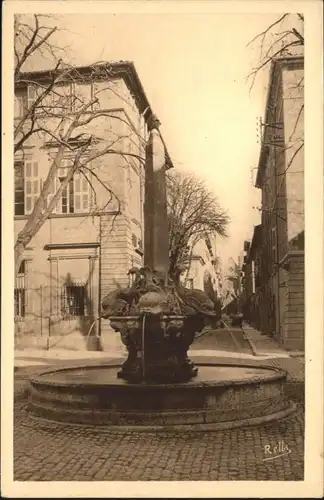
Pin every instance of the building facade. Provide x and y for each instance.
(95, 232)
(279, 287)
(204, 270)
(251, 281)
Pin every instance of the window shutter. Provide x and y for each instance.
(20, 103)
(81, 194)
(77, 193)
(32, 185)
(85, 194)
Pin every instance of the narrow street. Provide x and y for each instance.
(229, 340)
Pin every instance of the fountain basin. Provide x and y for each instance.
(220, 396)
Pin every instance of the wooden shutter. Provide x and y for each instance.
(81, 194)
(32, 185)
(20, 103)
(77, 193)
(85, 202)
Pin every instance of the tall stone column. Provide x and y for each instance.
(156, 237)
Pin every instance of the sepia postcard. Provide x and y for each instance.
(162, 235)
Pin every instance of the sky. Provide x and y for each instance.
(193, 68)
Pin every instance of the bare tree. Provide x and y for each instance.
(193, 214)
(55, 111)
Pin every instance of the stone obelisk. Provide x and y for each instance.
(156, 237)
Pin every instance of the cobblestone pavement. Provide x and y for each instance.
(54, 452)
(45, 451)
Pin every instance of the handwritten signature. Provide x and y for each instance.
(280, 449)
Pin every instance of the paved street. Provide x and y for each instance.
(57, 452)
(232, 340)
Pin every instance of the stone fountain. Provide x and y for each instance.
(157, 318)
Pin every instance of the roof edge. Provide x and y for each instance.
(121, 69)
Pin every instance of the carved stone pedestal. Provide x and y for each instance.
(157, 348)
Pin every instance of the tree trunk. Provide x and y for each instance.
(19, 250)
(24, 237)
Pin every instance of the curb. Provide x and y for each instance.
(250, 341)
(256, 352)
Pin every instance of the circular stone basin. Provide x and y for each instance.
(220, 396)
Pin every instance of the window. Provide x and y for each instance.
(19, 188)
(75, 195)
(27, 186)
(67, 199)
(20, 103)
(73, 300)
(20, 293)
(32, 185)
(63, 97)
(25, 98)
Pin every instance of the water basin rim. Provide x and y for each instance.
(40, 378)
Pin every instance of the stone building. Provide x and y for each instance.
(204, 266)
(95, 232)
(251, 280)
(280, 176)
